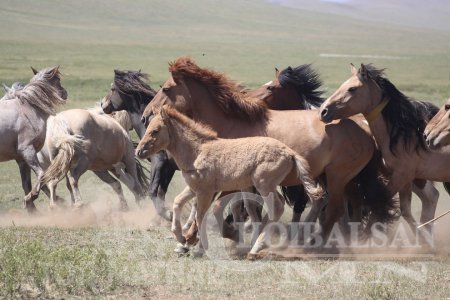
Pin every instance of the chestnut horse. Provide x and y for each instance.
(397, 124)
(210, 164)
(339, 150)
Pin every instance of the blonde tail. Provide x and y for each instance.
(62, 162)
(314, 189)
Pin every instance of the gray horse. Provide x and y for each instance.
(23, 124)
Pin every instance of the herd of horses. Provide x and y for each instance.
(350, 154)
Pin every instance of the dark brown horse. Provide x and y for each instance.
(130, 92)
(339, 150)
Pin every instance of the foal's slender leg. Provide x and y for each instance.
(191, 218)
(204, 199)
(115, 184)
(178, 203)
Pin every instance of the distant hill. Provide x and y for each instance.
(433, 14)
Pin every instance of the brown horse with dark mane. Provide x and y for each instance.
(397, 123)
(339, 150)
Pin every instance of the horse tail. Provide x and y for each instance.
(62, 161)
(374, 187)
(312, 188)
(142, 177)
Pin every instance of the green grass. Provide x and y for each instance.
(246, 40)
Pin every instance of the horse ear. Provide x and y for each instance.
(177, 78)
(6, 88)
(164, 115)
(34, 70)
(363, 71)
(277, 72)
(55, 71)
(353, 69)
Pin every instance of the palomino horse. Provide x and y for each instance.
(339, 150)
(297, 88)
(23, 124)
(210, 165)
(397, 123)
(80, 140)
(130, 92)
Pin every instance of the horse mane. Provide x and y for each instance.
(40, 95)
(228, 93)
(132, 84)
(405, 117)
(193, 129)
(306, 82)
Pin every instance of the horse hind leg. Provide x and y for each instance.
(74, 175)
(116, 186)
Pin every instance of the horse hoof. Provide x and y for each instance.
(193, 240)
(168, 215)
(181, 249)
(198, 253)
(252, 256)
(78, 205)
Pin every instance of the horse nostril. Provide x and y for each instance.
(324, 112)
(143, 120)
(424, 136)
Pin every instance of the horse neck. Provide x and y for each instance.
(290, 99)
(185, 145)
(135, 109)
(205, 109)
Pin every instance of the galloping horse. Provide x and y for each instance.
(23, 124)
(129, 92)
(297, 88)
(210, 165)
(79, 140)
(396, 122)
(339, 150)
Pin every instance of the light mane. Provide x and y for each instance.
(228, 93)
(192, 129)
(40, 95)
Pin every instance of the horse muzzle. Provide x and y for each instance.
(326, 114)
(142, 153)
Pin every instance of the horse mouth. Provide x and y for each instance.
(142, 153)
(326, 115)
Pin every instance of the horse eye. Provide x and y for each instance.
(352, 89)
(270, 88)
(155, 132)
(447, 106)
(165, 89)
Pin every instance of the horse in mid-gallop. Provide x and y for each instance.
(397, 124)
(23, 124)
(210, 165)
(339, 151)
(131, 93)
(79, 140)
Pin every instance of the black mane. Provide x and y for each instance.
(405, 117)
(132, 84)
(306, 82)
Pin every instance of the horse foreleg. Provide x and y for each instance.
(116, 186)
(178, 205)
(405, 195)
(160, 175)
(429, 196)
(25, 176)
(33, 162)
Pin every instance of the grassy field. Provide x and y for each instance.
(73, 255)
